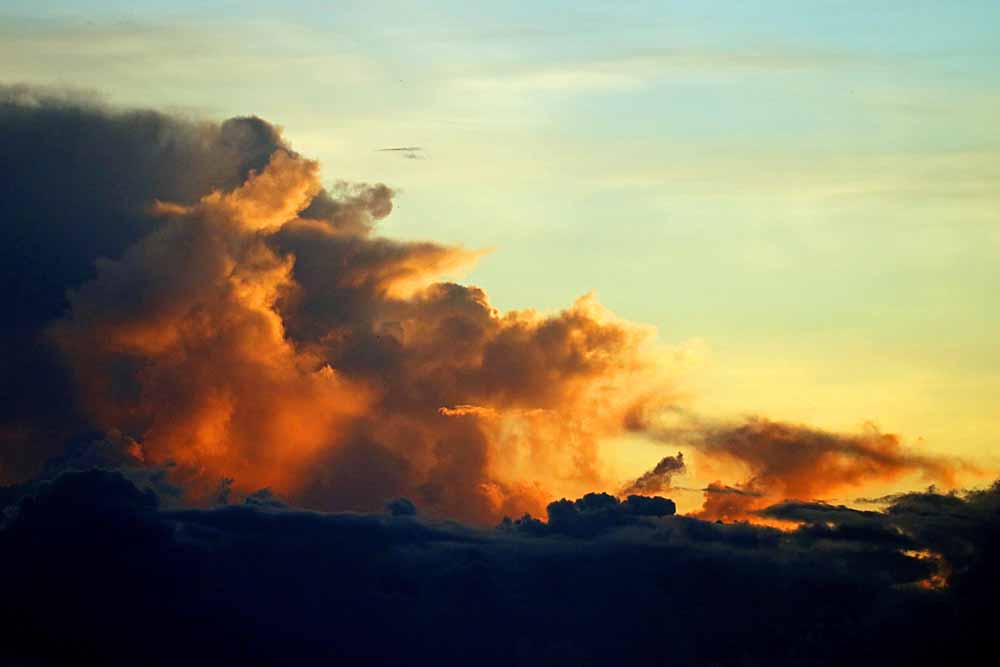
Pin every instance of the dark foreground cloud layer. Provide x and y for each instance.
(98, 569)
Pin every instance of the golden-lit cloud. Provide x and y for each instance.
(265, 334)
(769, 461)
(252, 329)
(179, 342)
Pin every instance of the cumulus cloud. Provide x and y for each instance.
(242, 322)
(78, 181)
(178, 340)
(193, 286)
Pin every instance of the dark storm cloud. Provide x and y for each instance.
(97, 570)
(76, 182)
(593, 514)
(79, 178)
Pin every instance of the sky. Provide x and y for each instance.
(799, 195)
(385, 333)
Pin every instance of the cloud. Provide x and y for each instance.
(657, 479)
(778, 460)
(178, 340)
(195, 288)
(601, 581)
(593, 514)
(206, 296)
(408, 152)
(79, 179)
(240, 425)
(646, 66)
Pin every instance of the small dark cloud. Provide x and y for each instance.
(401, 507)
(717, 488)
(657, 479)
(409, 152)
(264, 498)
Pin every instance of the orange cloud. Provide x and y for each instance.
(263, 331)
(265, 334)
(775, 461)
(179, 341)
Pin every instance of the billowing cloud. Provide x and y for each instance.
(78, 182)
(209, 356)
(194, 288)
(178, 340)
(244, 323)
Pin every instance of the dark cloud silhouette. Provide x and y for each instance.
(409, 152)
(593, 514)
(76, 182)
(97, 570)
(657, 479)
(401, 507)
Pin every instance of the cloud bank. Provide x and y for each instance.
(98, 569)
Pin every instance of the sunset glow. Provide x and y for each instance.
(388, 333)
